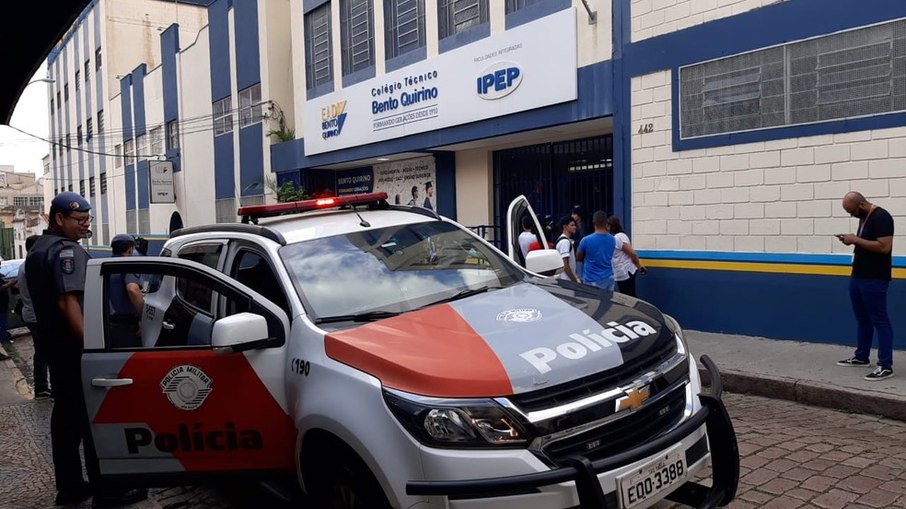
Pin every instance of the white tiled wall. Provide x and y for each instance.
(779, 196)
(657, 17)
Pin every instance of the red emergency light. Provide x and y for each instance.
(253, 212)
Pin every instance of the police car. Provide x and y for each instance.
(386, 356)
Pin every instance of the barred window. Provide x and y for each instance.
(118, 156)
(79, 135)
(357, 33)
(157, 141)
(405, 26)
(845, 75)
(318, 56)
(87, 71)
(66, 92)
(89, 129)
(250, 105)
(515, 5)
(172, 135)
(141, 143)
(103, 178)
(77, 74)
(223, 116)
(97, 59)
(455, 16)
(91, 188)
(100, 121)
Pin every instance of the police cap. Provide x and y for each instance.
(121, 242)
(67, 201)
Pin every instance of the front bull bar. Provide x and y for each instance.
(724, 459)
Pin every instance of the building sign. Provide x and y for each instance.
(161, 175)
(355, 181)
(530, 66)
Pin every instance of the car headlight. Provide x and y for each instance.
(459, 423)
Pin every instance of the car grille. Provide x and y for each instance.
(616, 436)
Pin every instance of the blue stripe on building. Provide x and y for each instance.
(218, 27)
(169, 47)
(224, 162)
(251, 160)
(138, 100)
(129, 177)
(248, 65)
(142, 177)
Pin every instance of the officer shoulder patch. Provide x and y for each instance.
(67, 265)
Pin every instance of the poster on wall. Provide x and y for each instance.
(409, 182)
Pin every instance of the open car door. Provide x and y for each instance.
(164, 411)
(543, 261)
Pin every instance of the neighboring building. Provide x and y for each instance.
(21, 208)
(723, 132)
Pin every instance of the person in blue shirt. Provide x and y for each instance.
(596, 253)
(126, 299)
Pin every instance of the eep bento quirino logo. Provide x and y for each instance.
(332, 119)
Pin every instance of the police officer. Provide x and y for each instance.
(55, 269)
(126, 300)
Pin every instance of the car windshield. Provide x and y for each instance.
(393, 269)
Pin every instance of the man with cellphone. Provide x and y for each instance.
(870, 279)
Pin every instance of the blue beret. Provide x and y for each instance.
(67, 201)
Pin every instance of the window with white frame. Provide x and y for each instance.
(250, 105)
(87, 72)
(89, 129)
(357, 35)
(318, 54)
(141, 143)
(36, 201)
(103, 178)
(77, 80)
(118, 156)
(100, 121)
(849, 74)
(455, 16)
(157, 141)
(97, 59)
(173, 135)
(405, 26)
(223, 116)
(129, 148)
(78, 135)
(91, 188)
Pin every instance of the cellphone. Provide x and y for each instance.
(839, 235)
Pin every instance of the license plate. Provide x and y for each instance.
(651, 479)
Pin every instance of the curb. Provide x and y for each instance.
(21, 382)
(814, 394)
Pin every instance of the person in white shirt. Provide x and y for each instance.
(567, 250)
(626, 262)
(526, 237)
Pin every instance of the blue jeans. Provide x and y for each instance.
(869, 298)
(604, 284)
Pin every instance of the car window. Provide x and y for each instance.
(393, 269)
(198, 296)
(167, 320)
(253, 270)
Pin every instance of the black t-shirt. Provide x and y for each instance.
(868, 264)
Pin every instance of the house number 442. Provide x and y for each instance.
(646, 128)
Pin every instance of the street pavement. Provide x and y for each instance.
(819, 441)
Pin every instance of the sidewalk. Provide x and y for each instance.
(802, 372)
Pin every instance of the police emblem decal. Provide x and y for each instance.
(67, 265)
(73, 205)
(186, 386)
(522, 315)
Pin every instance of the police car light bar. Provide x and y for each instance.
(254, 212)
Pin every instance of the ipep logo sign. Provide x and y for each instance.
(499, 80)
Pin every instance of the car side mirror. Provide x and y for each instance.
(547, 262)
(239, 332)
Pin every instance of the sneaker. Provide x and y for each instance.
(879, 374)
(853, 362)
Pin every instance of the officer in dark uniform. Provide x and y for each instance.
(126, 299)
(55, 271)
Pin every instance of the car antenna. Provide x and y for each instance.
(364, 224)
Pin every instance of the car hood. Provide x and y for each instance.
(507, 341)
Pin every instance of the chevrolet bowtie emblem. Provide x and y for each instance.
(633, 399)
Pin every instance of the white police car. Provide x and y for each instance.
(389, 357)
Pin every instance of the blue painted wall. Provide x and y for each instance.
(138, 100)
(251, 160)
(219, 35)
(169, 47)
(248, 65)
(224, 162)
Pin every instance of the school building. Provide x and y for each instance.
(723, 132)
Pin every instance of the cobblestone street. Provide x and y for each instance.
(793, 456)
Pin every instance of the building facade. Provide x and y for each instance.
(723, 132)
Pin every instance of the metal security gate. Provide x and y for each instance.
(555, 177)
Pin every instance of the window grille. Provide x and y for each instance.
(223, 116)
(118, 156)
(103, 178)
(91, 187)
(79, 135)
(100, 121)
(318, 56)
(157, 141)
(405, 22)
(515, 5)
(89, 129)
(455, 16)
(77, 74)
(97, 59)
(250, 105)
(850, 74)
(356, 30)
(172, 135)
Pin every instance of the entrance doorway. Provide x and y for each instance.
(555, 177)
